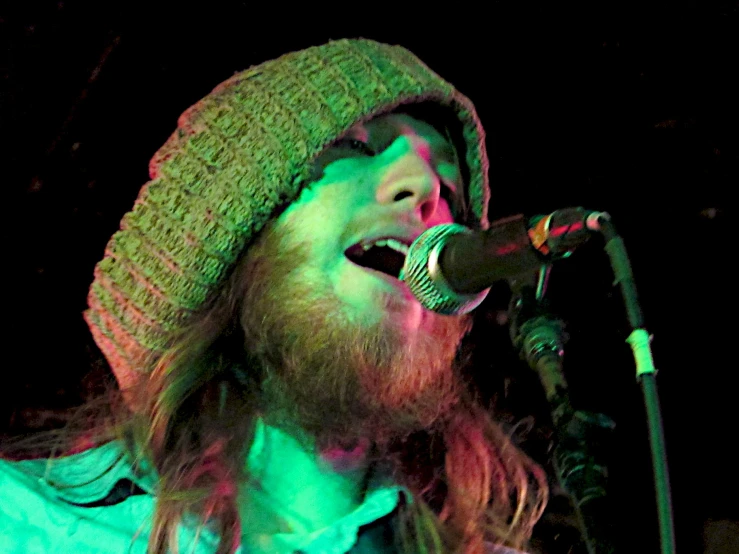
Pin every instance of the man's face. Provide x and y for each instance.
(345, 349)
(393, 176)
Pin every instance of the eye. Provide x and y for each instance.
(354, 145)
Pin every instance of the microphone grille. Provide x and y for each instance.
(422, 273)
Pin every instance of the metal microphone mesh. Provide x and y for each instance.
(422, 273)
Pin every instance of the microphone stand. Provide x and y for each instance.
(645, 373)
(580, 436)
(576, 457)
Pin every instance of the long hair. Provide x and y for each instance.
(195, 421)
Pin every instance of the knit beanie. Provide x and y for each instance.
(238, 157)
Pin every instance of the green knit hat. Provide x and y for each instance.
(238, 157)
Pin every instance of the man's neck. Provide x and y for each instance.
(295, 489)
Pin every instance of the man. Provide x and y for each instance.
(285, 392)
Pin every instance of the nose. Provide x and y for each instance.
(409, 182)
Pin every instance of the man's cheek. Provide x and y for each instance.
(442, 214)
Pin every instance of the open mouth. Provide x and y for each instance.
(384, 255)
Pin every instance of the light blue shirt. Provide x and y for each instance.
(40, 512)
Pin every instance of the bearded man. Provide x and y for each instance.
(284, 391)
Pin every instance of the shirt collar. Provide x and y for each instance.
(87, 476)
(341, 536)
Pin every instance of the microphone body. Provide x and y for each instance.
(471, 262)
(450, 268)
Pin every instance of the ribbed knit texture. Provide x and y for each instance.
(238, 157)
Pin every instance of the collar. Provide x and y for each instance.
(341, 536)
(87, 476)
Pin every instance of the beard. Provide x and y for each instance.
(329, 375)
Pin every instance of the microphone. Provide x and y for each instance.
(450, 268)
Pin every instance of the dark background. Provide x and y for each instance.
(629, 108)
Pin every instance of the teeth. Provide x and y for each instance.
(398, 246)
(390, 243)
